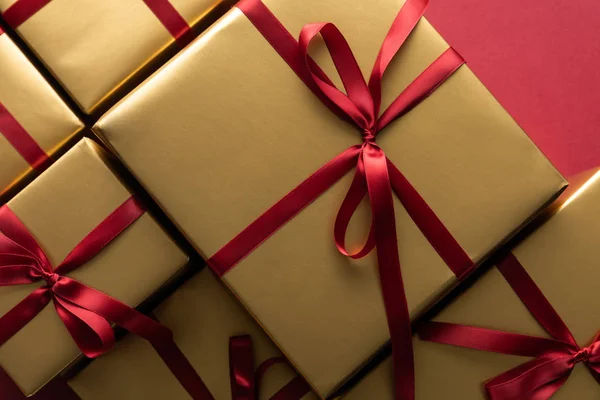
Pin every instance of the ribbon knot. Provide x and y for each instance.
(50, 278)
(368, 136)
(584, 355)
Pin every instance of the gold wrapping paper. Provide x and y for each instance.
(35, 105)
(60, 208)
(203, 316)
(93, 47)
(561, 257)
(226, 129)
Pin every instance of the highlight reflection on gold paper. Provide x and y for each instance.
(561, 258)
(60, 208)
(226, 129)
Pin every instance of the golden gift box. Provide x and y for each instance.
(95, 47)
(229, 111)
(560, 258)
(34, 122)
(203, 317)
(59, 209)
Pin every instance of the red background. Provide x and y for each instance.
(541, 59)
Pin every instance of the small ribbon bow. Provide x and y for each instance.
(543, 376)
(554, 358)
(84, 311)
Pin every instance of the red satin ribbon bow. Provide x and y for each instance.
(375, 174)
(554, 359)
(84, 311)
(246, 381)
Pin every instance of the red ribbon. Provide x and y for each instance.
(554, 359)
(172, 20)
(245, 380)
(85, 312)
(22, 141)
(21, 10)
(375, 174)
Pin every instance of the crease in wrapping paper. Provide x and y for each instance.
(84, 191)
(47, 44)
(557, 255)
(455, 145)
(34, 105)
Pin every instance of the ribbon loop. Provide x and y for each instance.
(375, 176)
(246, 381)
(357, 104)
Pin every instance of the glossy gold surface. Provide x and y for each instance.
(226, 129)
(35, 105)
(561, 257)
(203, 316)
(60, 208)
(93, 47)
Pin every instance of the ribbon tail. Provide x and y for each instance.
(92, 333)
(284, 210)
(20, 315)
(394, 295)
